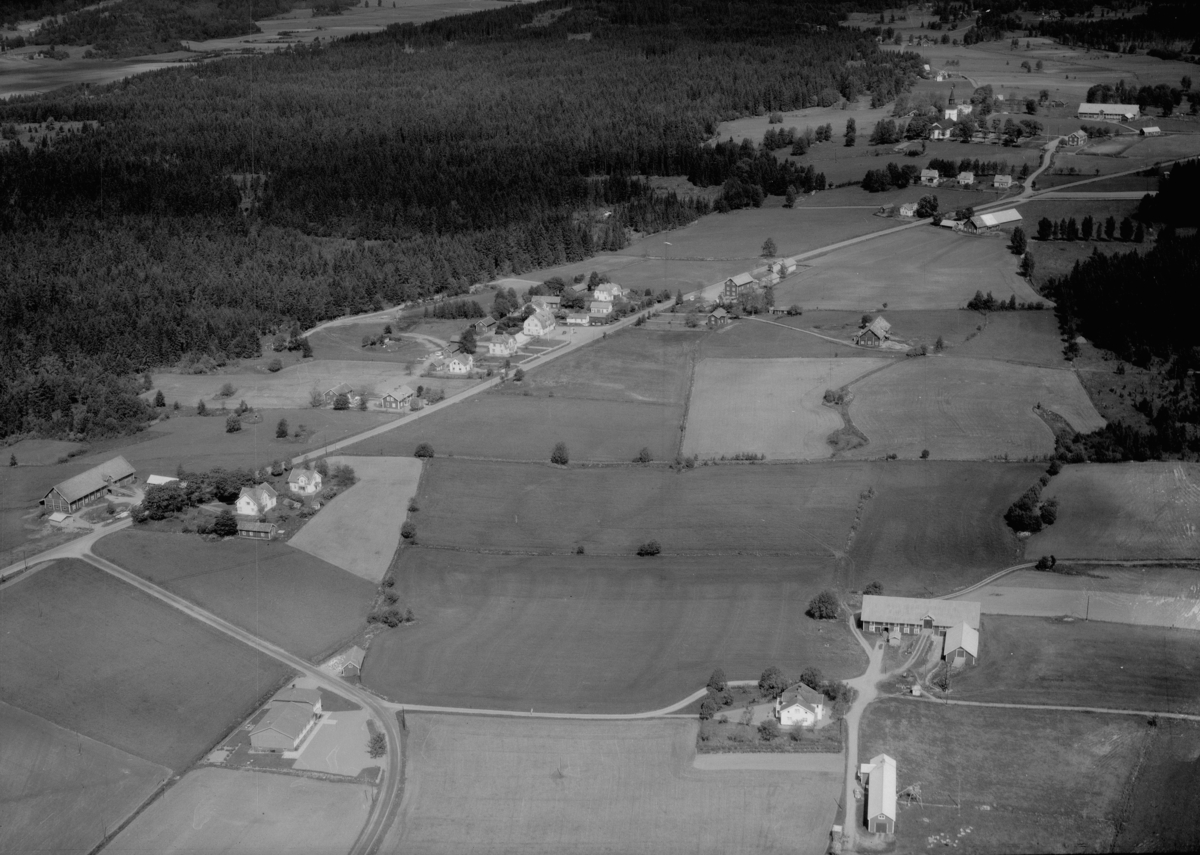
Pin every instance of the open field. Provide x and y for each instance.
(798, 510)
(1129, 152)
(345, 343)
(599, 634)
(923, 268)
(360, 529)
(1030, 338)
(752, 339)
(1062, 209)
(1124, 510)
(522, 786)
(222, 810)
(633, 364)
(281, 594)
(1160, 815)
(513, 427)
(40, 452)
(933, 527)
(965, 409)
(841, 164)
(1044, 660)
(59, 791)
(23, 529)
(96, 656)
(768, 406)
(1000, 780)
(753, 127)
(914, 328)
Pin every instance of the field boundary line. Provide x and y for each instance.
(1055, 708)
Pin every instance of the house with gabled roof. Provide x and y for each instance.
(460, 363)
(880, 778)
(962, 645)
(484, 325)
(256, 501)
(941, 130)
(718, 317)
(874, 334)
(910, 615)
(965, 179)
(398, 397)
(499, 345)
(1076, 138)
(800, 706)
(340, 389)
(734, 286)
(608, 291)
(931, 177)
(311, 697)
(89, 487)
(304, 481)
(540, 323)
(255, 530)
(1002, 182)
(348, 664)
(283, 728)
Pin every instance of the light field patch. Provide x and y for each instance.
(767, 406)
(359, 531)
(1124, 510)
(223, 810)
(528, 786)
(966, 409)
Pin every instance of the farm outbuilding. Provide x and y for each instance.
(282, 728)
(910, 615)
(89, 487)
(880, 775)
(988, 222)
(348, 664)
(256, 530)
(1150, 131)
(873, 334)
(484, 325)
(1109, 111)
(962, 645)
(159, 480)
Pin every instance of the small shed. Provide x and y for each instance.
(159, 480)
(1150, 131)
(256, 530)
(962, 645)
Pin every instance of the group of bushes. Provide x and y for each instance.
(987, 303)
(1029, 513)
(387, 609)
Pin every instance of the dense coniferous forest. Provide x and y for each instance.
(433, 157)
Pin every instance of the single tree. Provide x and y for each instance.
(1018, 242)
(1087, 227)
(559, 455)
(12, 459)
(1027, 265)
(768, 730)
(812, 677)
(423, 450)
(1110, 228)
(1072, 230)
(306, 351)
(924, 453)
(643, 456)
(1126, 229)
(362, 401)
(1139, 233)
(789, 199)
(927, 206)
(649, 548)
(160, 400)
(824, 606)
(1045, 229)
(467, 340)
(201, 409)
(939, 345)
(341, 402)
(233, 424)
(772, 682)
(408, 530)
(377, 745)
(225, 525)
(315, 398)
(716, 681)
(322, 467)
(227, 391)
(875, 588)
(519, 375)
(281, 429)
(768, 248)
(275, 365)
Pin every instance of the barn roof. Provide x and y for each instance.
(341, 389)
(96, 478)
(964, 636)
(251, 525)
(881, 789)
(998, 218)
(1109, 108)
(801, 695)
(401, 391)
(741, 279)
(913, 610)
(543, 317)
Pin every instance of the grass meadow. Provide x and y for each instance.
(516, 427)
(772, 407)
(920, 268)
(1042, 660)
(1160, 806)
(512, 785)
(933, 527)
(733, 510)
(1124, 510)
(997, 781)
(281, 594)
(1028, 338)
(93, 655)
(59, 791)
(227, 810)
(580, 633)
(966, 409)
(344, 343)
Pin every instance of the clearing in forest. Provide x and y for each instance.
(522, 786)
(767, 406)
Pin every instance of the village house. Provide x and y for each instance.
(962, 645)
(89, 487)
(1002, 182)
(800, 706)
(348, 664)
(256, 501)
(483, 326)
(288, 720)
(965, 179)
(256, 530)
(398, 397)
(718, 317)
(1076, 138)
(500, 345)
(544, 301)
(930, 177)
(911, 615)
(941, 130)
(908, 209)
(1150, 131)
(304, 481)
(458, 363)
(540, 323)
(599, 308)
(580, 319)
(734, 286)
(341, 389)
(785, 268)
(991, 221)
(880, 778)
(873, 334)
(1104, 112)
(608, 291)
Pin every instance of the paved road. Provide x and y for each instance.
(1055, 707)
(1053, 195)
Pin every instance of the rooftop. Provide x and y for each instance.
(96, 478)
(913, 610)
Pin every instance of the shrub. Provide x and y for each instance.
(874, 588)
(707, 708)
(423, 450)
(579, 549)
(796, 734)
(274, 365)
(201, 409)
(716, 682)
(413, 507)
(160, 400)
(225, 525)
(768, 730)
(519, 375)
(559, 456)
(281, 429)
(409, 530)
(650, 547)
(341, 402)
(227, 391)
(772, 682)
(233, 424)
(1049, 512)
(812, 677)
(643, 456)
(393, 618)
(824, 606)
(925, 454)
(377, 746)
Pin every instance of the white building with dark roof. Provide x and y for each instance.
(880, 777)
(961, 645)
(800, 706)
(1105, 112)
(910, 615)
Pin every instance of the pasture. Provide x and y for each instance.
(766, 510)
(344, 342)
(1124, 510)
(782, 337)
(966, 409)
(96, 656)
(1044, 660)
(515, 427)
(537, 786)
(841, 164)
(226, 810)
(768, 406)
(634, 364)
(1160, 807)
(936, 526)
(359, 530)
(919, 268)
(281, 594)
(41, 452)
(1030, 338)
(60, 791)
(997, 781)
(583, 633)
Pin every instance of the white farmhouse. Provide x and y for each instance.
(304, 481)
(540, 323)
(801, 706)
